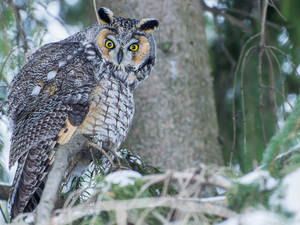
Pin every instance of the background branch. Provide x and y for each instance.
(22, 34)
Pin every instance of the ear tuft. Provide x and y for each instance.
(148, 25)
(105, 16)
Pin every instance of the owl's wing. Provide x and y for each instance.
(49, 99)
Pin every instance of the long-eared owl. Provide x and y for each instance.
(81, 85)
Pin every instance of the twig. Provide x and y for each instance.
(70, 200)
(166, 184)
(54, 17)
(23, 216)
(242, 94)
(274, 89)
(96, 13)
(233, 97)
(268, 23)
(282, 81)
(115, 155)
(286, 56)
(211, 180)
(271, 3)
(260, 98)
(231, 60)
(272, 162)
(3, 8)
(121, 216)
(262, 45)
(93, 145)
(84, 209)
(155, 179)
(262, 127)
(263, 23)
(162, 219)
(143, 215)
(234, 21)
(292, 133)
(259, 8)
(22, 34)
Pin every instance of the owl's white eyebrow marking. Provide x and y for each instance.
(36, 90)
(61, 63)
(51, 75)
(112, 38)
(133, 41)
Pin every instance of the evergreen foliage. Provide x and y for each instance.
(286, 138)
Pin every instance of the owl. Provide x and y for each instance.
(81, 85)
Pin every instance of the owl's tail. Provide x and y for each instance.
(29, 180)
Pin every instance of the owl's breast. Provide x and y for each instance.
(110, 114)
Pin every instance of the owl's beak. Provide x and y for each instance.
(120, 55)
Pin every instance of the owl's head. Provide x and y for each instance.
(127, 44)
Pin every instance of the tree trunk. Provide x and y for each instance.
(175, 124)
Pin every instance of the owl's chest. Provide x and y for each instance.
(110, 114)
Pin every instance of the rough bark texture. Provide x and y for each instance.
(175, 124)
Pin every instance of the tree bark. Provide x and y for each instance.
(175, 124)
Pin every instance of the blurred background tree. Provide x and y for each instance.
(229, 24)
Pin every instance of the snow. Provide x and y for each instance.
(29, 219)
(258, 217)
(288, 195)
(122, 177)
(291, 149)
(266, 182)
(221, 178)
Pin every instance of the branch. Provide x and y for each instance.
(69, 215)
(2, 10)
(22, 34)
(3, 65)
(271, 3)
(262, 45)
(55, 177)
(233, 97)
(221, 11)
(230, 18)
(222, 183)
(263, 23)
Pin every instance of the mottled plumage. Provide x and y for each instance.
(83, 84)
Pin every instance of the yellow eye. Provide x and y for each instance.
(134, 47)
(109, 44)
